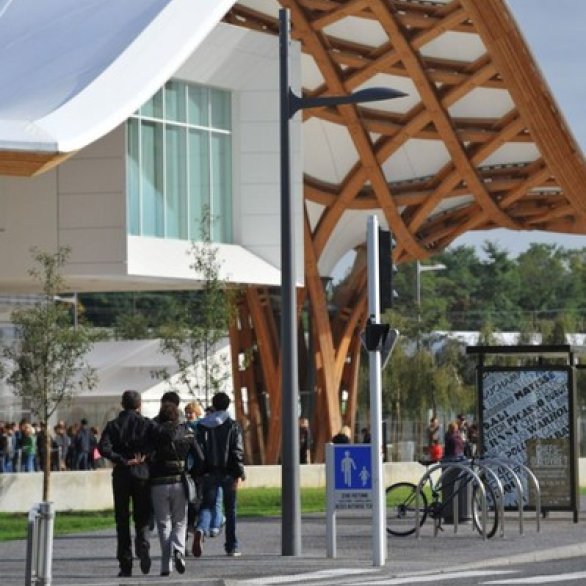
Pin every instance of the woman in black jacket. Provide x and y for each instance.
(173, 442)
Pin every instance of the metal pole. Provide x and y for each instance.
(291, 507)
(47, 516)
(418, 301)
(374, 363)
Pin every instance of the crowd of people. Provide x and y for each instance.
(150, 459)
(23, 446)
(460, 440)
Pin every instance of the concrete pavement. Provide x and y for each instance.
(88, 559)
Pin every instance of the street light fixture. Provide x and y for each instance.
(289, 105)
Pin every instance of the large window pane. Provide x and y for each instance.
(221, 109)
(176, 183)
(175, 101)
(154, 107)
(199, 180)
(152, 180)
(133, 178)
(198, 106)
(179, 163)
(222, 188)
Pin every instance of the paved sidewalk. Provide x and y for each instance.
(89, 558)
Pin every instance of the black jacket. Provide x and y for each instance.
(221, 441)
(173, 442)
(124, 437)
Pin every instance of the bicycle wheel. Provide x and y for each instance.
(401, 500)
(492, 511)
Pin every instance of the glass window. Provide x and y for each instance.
(133, 178)
(180, 163)
(198, 105)
(221, 109)
(176, 183)
(175, 101)
(221, 229)
(154, 107)
(199, 179)
(152, 196)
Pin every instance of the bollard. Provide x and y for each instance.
(39, 549)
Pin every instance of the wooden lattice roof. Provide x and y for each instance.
(479, 143)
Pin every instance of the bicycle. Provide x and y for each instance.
(401, 502)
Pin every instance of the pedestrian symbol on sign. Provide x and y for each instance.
(347, 465)
(364, 476)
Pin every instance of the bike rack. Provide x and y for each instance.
(465, 467)
(518, 485)
(508, 465)
(500, 494)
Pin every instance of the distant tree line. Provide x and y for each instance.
(542, 291)
(543, 284)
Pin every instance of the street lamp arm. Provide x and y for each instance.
(374, 94)
(425, 268)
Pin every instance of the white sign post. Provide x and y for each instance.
(374, 361)
(354, 473)
(348, 482)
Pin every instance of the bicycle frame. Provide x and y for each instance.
(464, 467)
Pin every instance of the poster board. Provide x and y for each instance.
(527, 417)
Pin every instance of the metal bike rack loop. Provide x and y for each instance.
(465, 467)
(534, 480)
(518, 485)
(500, 493)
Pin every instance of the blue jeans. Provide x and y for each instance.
(211, 483)
(28, 463)
(217, 513)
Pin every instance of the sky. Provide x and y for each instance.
(555, 32)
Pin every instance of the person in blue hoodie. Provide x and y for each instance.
(221, 440)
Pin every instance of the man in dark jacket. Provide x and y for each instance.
(220, 438)
(125, 441)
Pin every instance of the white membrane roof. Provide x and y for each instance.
(72, 70)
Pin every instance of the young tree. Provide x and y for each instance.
(193, 335)
(46, 363)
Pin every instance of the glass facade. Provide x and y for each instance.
(179, 164)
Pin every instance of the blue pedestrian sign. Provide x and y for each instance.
(352, 466)
(349, 473)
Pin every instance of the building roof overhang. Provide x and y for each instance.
(479, 142)
(73, 71)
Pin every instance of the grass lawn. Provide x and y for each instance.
(252, 502)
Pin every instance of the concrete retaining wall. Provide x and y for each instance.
(92, 491)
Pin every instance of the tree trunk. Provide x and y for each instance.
(47, 463)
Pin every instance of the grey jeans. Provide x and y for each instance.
(170, 507)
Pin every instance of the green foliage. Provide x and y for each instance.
(194, 330)
(47, 361)
(45, 365)
(132, 326)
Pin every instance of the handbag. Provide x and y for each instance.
(190, 488)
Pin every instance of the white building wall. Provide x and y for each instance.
(28, 217)
(92, 206)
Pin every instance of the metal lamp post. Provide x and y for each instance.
(423, 269)
(289, 105)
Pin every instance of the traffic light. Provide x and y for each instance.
(386, 269)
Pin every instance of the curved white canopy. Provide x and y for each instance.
(72, 70)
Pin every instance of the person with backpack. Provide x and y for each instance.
(174, 445)
(222, 444)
